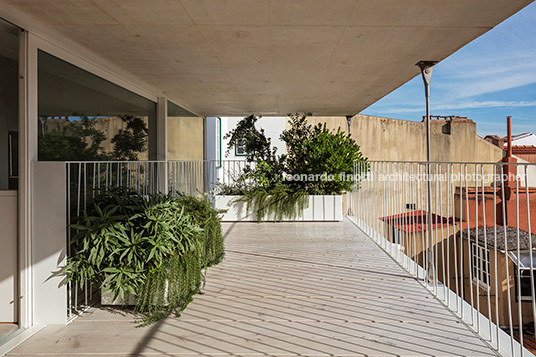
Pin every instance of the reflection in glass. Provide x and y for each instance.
(185, 134)
(9, 123)
(83, 117)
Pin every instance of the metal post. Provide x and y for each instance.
(427, 68)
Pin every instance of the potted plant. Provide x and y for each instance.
(145, 250)
(305, 183)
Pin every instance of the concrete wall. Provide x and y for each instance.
(185, 138)
(385, 139)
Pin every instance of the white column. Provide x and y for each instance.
(27, 154)
(162, 144)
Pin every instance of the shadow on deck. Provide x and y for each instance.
(284, 289)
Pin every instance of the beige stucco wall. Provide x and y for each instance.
(185, 138)
(385, 139)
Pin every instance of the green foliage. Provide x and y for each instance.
(280, 202)
(269, 167)
(128, 243)
(323, 157)
(132, 140)
(203, 215)
(81, 141)
(258, 147)
(315, 150)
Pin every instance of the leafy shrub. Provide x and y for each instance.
(282, 201)
(312, 152)
(154, 247)
(315, 150)
(269, 169)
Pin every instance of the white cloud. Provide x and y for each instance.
(462, 105)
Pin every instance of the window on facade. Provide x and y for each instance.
(240, 148)
(82, 117)
(481, 265)
(526, 288)
(524, 261)
(396, 235)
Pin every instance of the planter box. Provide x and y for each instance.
(326, 208)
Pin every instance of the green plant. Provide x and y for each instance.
(323, 160)
(132, 140)
(282, 201)
(78, 140)
(269, 167)
(316, 150)
(128, 243)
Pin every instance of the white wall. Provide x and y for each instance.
(49, 242)
(528, 140)
(530, 172)
(273, 126)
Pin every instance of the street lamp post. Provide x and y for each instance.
(427, 68)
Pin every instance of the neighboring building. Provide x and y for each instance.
(523, 145)
(410, 230)
(524, 139)
(453, 139)
(227, 162)
(481, 250)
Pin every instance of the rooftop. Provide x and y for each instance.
(416, 221)
(504, 238)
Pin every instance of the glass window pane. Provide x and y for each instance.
(9, 113)
(83, 117)
(184, 134)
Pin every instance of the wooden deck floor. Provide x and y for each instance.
(284, 289)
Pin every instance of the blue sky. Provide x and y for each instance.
(490, 78)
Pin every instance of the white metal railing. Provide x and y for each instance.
(463, 232)
(86, 179)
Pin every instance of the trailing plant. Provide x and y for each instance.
(322, 159)
(128, 243)
(280, 202)
(208, 219)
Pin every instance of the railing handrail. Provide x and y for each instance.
(500, 163)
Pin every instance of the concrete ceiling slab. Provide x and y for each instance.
(271, 57)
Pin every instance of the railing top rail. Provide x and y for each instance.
(244, 162)
(141, 161)
(500, 163)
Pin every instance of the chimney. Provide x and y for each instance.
(510, 171)
(509, 136)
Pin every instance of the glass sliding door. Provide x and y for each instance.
(8, 178)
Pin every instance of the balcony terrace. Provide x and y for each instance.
(285, 289)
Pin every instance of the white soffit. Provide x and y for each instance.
(271, 57)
